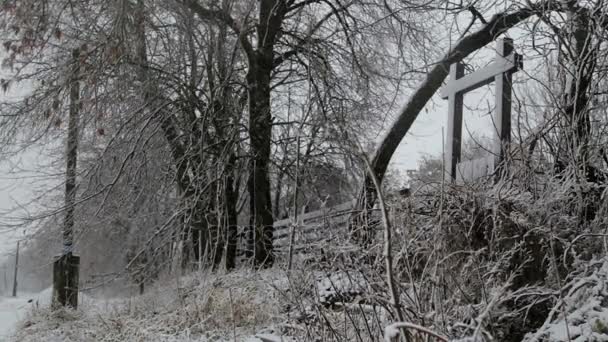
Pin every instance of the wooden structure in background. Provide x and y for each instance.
(501, 73)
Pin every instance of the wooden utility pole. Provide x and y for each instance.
(5, 288)
(16, 269)
(65, 268)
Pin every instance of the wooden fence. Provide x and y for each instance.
(314, 228)
(326, 227)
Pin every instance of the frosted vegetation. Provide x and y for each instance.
(234, 170)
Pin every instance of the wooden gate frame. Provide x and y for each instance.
(501, 73)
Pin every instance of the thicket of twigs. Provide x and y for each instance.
(483, 261)
(474, 262)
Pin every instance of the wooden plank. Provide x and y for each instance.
(347, 206)
(332, 222)
(329, 229)
(312, 240)
(317, 229)
(502, 114)
(479, 78)
(456, 104)
(330, 217)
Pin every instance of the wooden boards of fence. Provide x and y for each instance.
(313, 228)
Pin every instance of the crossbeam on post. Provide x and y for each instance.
(504, 65)
(501, 72)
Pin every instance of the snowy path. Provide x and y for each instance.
(14, 309)
(11, 311)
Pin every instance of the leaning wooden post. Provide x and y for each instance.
(16, 269)
(456, 104)
(66, 267)
(502, 115)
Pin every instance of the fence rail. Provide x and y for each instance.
(313, 230)
(313, 227)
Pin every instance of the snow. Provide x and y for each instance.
(340, 286)
(269, 338)
(202, 308)
(391, 332)
(244, 306)
(12, 310)
(583, 314)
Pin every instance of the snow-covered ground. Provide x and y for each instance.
(256, 307)
(12, 310)
(241, 306)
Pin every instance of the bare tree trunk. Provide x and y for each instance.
(217, 240)
(231, 197)
(270, 19)
(199, 234)
(260, 59)
(260, 134)
(580, 65)
(196, 230)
